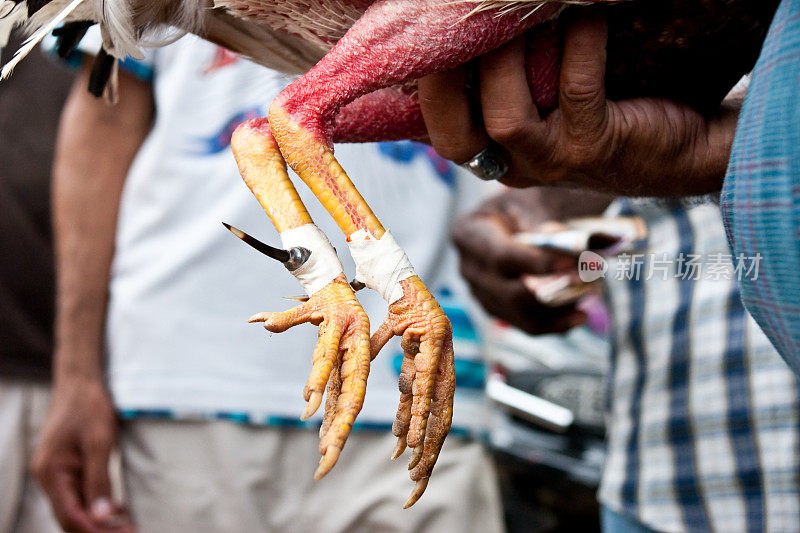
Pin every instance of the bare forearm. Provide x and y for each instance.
(95, 147)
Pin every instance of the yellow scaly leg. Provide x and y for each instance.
(341, 358)
(427, 382)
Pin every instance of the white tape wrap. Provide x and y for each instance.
(380, 263)
(323, 266)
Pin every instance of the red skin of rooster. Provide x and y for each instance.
(394, 43)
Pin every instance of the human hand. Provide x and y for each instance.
(646, 146)
(71, 459)
(503, 273)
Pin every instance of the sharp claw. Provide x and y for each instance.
(416, 457)
(416, 494)
(300, 298)
(259, 317)
(312, 406)
(270, 251)
(399, 448)
(327, 462)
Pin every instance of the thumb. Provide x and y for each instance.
(582, 95)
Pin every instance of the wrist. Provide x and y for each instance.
(707, 161)
(77, 366)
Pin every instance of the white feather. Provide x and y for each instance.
(119, 32)
(11, 15)
(6, 7)
(34, 39)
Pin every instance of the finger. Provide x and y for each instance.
(425, 364)
(511, 301)
(518, 258)
(509, 114)
(332, 396)
(402, 419)
(439, 421)
(487, 240)
(96, 482)
(62, 490)
(354, 372)
(495, 291)
(582, 97)
(447, 111)
(279, 322)
(325, 354)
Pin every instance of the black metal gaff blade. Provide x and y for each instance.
(270, 251)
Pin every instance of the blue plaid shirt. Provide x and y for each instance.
(704, 432)
(761, 195)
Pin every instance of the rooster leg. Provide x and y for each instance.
(393, 43)
(341, 358)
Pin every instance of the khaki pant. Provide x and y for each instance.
(23, 506)
(222, 477)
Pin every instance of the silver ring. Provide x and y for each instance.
(489, 164)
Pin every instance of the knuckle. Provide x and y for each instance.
(583, 155)
(580, 89)
(98, 441)
(454, 149)
(506, 130)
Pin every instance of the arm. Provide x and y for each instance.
(95, 147)
(646, 146)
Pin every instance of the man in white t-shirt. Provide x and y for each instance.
(209, 405)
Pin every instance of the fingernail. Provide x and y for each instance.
(102, 508)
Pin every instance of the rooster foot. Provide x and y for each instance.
(340, 362)
(427, 378)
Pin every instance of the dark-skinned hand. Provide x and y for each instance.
(647, 146)
(71, 459)
(496, 266)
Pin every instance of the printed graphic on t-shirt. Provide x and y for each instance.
(222, 58)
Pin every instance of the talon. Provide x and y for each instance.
(399, 448)
(259, 317)
(416, 494)
(416, 457)
(312, 406)
(327, 462)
